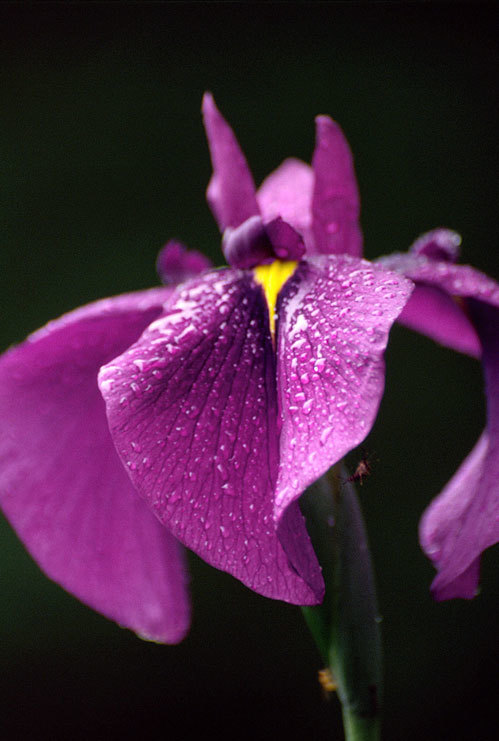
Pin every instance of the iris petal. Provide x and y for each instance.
(63, 487)
(192, 407)
(287, 193)
(464, 519)
(335, 202)
(231, 190)
(334, 317)
(176, 263)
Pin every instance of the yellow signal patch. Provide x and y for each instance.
(272, 277)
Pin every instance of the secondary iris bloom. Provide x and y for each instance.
(459, 307)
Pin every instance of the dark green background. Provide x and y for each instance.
(103, 159)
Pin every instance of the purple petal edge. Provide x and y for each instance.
(62, 485)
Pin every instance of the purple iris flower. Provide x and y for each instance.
(217, 401)
(458, 306)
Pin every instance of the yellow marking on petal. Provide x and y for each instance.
(272, 277)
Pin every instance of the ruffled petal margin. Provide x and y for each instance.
(335, 314)
(192, 407)
(62, 485)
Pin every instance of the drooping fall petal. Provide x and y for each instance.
(335, 201)
(62, 485)
(192, 407)
(434, 308)
(435, 314)
(464, 519)
(231, 190)
(335, 314)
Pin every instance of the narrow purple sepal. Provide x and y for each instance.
(175, 263)
(464, 519)
(439, 244)
(62, 485)
(231, 191)
(192, 408)
(335, 202)
(287, 194)
(335, 314)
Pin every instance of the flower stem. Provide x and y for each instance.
(360, 729)
(346, 626)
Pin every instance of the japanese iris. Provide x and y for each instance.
(217, 401)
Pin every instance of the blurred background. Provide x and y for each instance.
(103, 159)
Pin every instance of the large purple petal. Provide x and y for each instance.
(193, 411)
(231, 190)
(435, 308)
(62, 485)
(464, 519)
(335, 202)
(334, 317)
(287, 192)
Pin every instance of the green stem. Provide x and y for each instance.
(360, 729)
(346, 626)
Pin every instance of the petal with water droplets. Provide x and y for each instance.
(334, 317)
(197, 394)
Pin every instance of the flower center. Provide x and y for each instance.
(272, 277)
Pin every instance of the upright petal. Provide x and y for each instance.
(334, 317)
(231, 190)
(464, 519)
(287, 192)
(335, 202)
(62, 485)
(193, 411)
